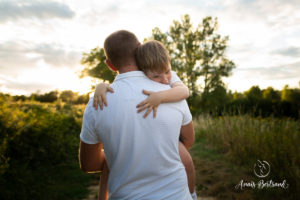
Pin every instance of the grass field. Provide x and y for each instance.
(227, 148)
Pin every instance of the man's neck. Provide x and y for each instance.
(128, 68)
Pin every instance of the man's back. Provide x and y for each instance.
(142, 154)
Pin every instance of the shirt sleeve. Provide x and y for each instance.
(88, 132)
(187, 116)
(174, 78)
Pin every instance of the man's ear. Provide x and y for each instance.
(108, 63)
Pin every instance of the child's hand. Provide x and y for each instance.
(100, 95)
(151, 103)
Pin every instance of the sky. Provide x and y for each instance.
(42, 41)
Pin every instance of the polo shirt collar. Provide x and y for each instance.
(130, 74)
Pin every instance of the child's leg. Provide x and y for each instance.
(103, 191)
(187, 161)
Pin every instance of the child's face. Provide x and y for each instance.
(164, 77)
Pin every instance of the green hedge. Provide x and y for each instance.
(39, 151)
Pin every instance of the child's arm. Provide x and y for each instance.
(100, 95)
(177, 92)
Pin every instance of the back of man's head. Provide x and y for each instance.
(119, 48)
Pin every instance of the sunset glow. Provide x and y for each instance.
(42, 42)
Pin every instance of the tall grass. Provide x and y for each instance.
(246, 139)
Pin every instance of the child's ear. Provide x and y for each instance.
(108, 63)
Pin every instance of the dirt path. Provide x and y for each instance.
(94, 194)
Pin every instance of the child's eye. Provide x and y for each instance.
(167, 71)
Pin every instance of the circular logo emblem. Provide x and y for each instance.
(261, 168)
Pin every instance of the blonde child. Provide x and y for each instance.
(154, 60)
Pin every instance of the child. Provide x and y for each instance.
(153, 59)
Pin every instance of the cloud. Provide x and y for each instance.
(105, 14)
(13, 57)
(16, 56)
(16, 10)
(8, 84)
(290, 51)
(57, 56)
(279, 13)
(276, 13)
(286, 71)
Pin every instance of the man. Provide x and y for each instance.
(141, 154)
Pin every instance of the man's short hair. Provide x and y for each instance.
(152, 56)
(119, 47)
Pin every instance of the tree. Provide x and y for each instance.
(290, 102)
(254, 94)
(271, 95)
(68, 96)
(290, 95)
(215, 100)
(236, 95)
(95, 65)
(49, 97)
(83, 99)
(197, 52)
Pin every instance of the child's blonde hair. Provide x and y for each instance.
(152, 56)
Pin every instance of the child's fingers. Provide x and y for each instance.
(104, 100)
(146, 92)
(154, 112)
(148, 111)
(95, 105)
(109, 89)
(143, 107)
(100, 102)
(141, 104)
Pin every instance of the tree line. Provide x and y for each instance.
(267, 102)
(255, 101)
(66, 96)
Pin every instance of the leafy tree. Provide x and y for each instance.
(95, 65)
(20, 98)
(254, 94)
(83, 99)
(215, 100)
(68, 96)
(290, 95)
(271, 95)
(197, 52)
(49, 97)
(236, 95)
(290, 101)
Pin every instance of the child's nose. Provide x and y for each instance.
(164, 80)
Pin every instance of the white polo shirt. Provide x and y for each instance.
(142, 154)
(174, 78)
